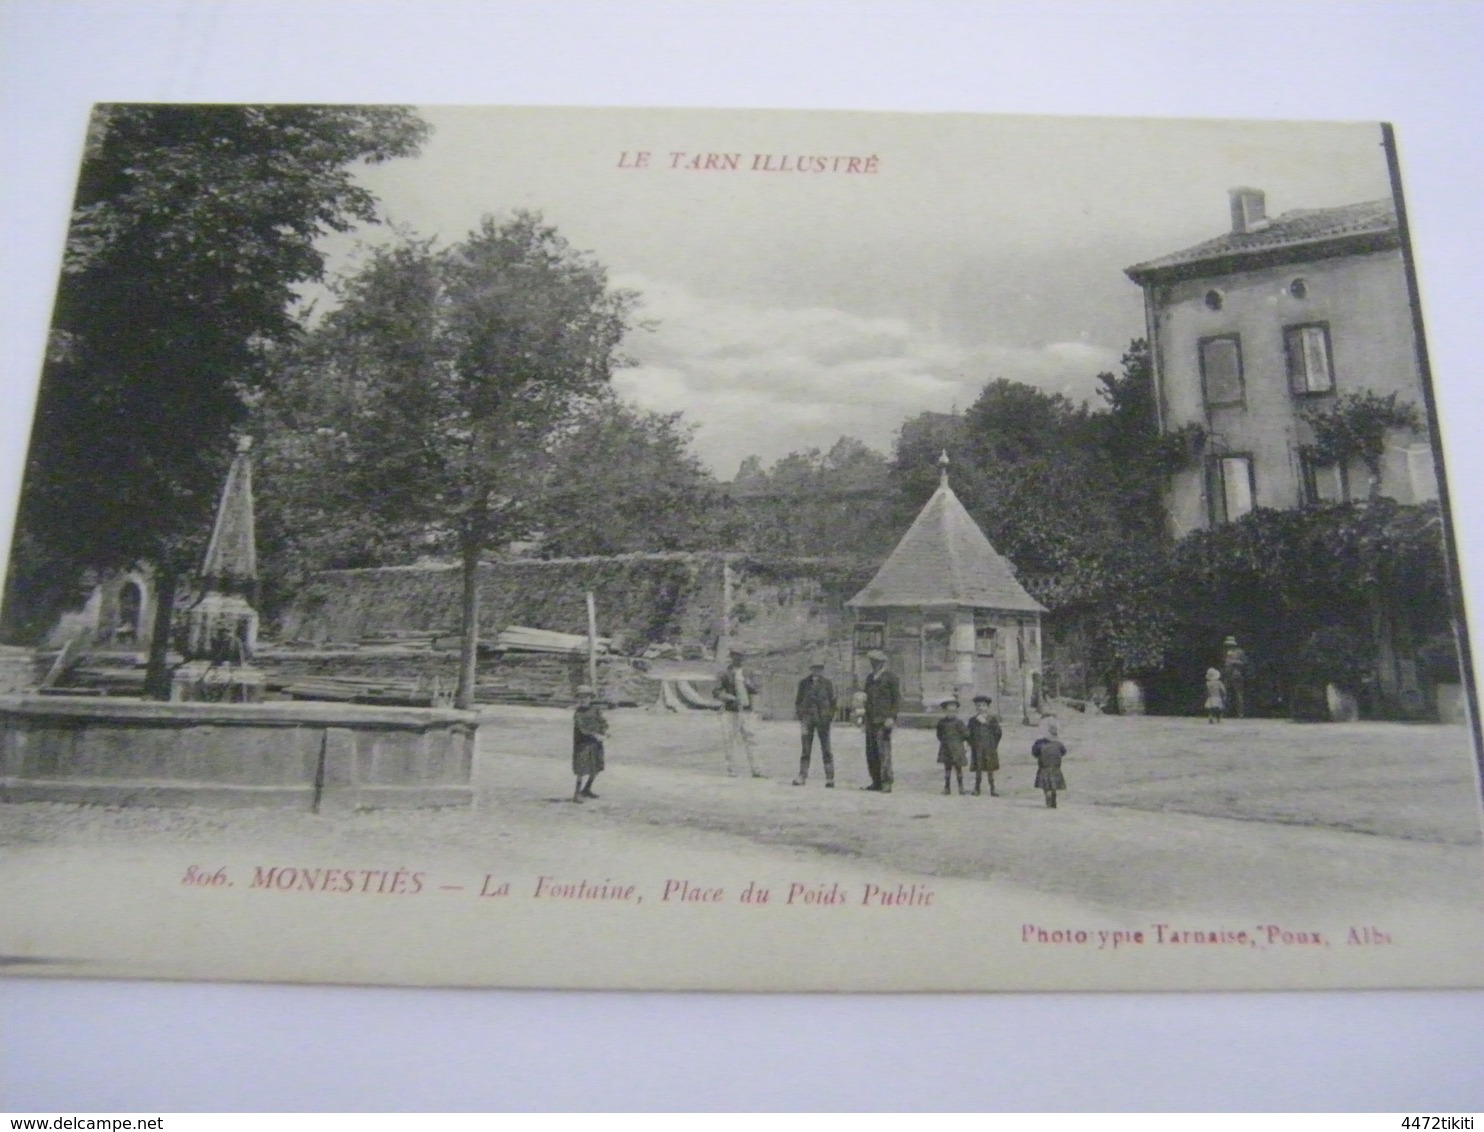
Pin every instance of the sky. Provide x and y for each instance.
(788, 308)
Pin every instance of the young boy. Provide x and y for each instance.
(1048, 753)
(588, 729)
(952, 734)
(984, 744)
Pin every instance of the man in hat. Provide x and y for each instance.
(736, 691)
(883, 701)
(814, 708)
(1234, 671)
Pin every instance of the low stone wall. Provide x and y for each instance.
(309, 756)
(529, 678)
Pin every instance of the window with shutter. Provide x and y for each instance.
(1221, 370)
(1308, 354)
(1230, 490)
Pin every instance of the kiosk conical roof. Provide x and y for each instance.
(944, 559)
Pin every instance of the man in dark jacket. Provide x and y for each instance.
(883, 701)
(814, 708)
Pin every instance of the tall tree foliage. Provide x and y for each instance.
(622, 480)
(452, 378)
(192, 226)
(813, 504)
(1371, 572)
(1070, 494)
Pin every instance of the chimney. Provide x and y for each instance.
(1249, 210)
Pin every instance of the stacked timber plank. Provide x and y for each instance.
(520, 638)
(17, 669)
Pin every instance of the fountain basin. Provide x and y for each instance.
(309, 756)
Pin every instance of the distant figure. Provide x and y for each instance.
(588, 729)
(736, 691)
(814, 708)
(1215, 696)
(1048, 753)
(984, 743)
(883, 701)
(952, 737)
(1234, 672)
(858, 707)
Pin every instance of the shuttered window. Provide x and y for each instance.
(1230, 490)
(1221, 370)
(1307, 351)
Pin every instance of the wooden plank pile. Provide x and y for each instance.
(521, 638)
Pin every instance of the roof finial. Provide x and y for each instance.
(943, 469)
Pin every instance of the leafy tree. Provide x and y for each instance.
(456, 381)
(192, 227)
(812, 504)
(1281, 579)
(621, 480)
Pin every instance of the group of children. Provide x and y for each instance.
(977, 746)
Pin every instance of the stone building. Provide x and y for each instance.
(1276, 316)
(950, 615)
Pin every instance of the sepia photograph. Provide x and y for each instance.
(539, 547)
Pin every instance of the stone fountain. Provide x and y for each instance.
(219, 741)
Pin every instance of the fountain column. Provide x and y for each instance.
(222, 625)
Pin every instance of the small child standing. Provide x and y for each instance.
(1048, 753)
(952, 735)
(984, 744)
(1215, 696)
(588, 729)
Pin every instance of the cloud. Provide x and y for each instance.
(771, 380)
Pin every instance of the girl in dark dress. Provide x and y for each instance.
(588, 729)
(952, 735)
(984, 744)
(1048, 753)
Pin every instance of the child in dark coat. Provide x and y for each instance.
(588, 729)
(984, 744)
(1048, 753)
(952, 735)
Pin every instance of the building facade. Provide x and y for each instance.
(1277, 317)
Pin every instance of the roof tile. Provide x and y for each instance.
(1290, 230)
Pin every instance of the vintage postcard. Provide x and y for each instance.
(737, 550)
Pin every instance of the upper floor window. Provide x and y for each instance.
(1221, 370)
(1309, 366)
(1230, 490)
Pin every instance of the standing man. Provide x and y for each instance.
(736, 691)
(1234, 670)
(883, 701)
(814, 708)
